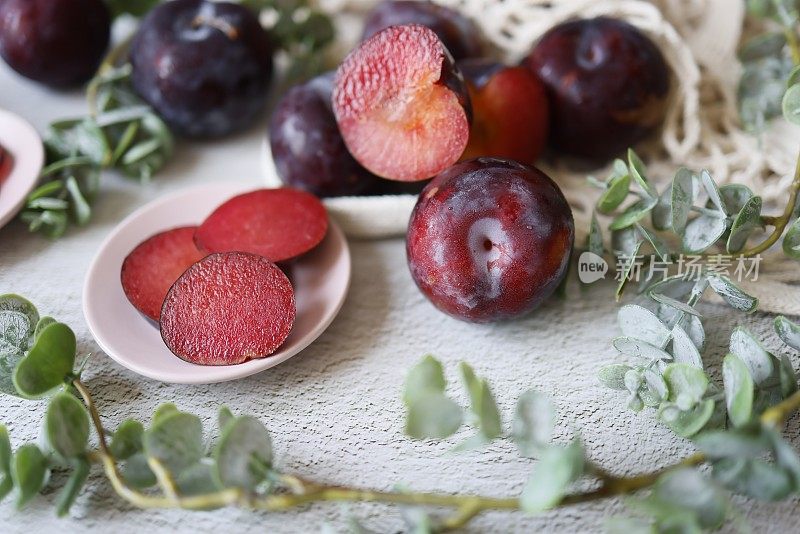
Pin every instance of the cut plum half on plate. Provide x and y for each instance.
(401, 105)
(155, 264)
(227, 309)
(279, 224)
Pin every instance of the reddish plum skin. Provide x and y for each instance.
(58, 43)
(608, 85)
(510, 111)
(489, 240)
(307, 148)
(205, 67)
(457, 32)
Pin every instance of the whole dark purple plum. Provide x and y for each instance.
(58, 43)
(307, 148)
(204, 66)
(608, 85)
(459, 34)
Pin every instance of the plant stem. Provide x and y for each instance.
(782, 220)
(794, 43)
(306, 492)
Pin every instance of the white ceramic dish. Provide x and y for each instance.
(321, 280)
(20, 140)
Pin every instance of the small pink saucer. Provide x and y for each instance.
(24, 145)
(321, 279)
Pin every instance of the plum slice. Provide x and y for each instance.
(401, 105)
(153, 266)
(228, 308)
(279, 224)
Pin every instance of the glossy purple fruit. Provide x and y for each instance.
(459, 34)
(58, 43)
(489, 239)
(608, 85)
(307, 148)
(204, 66)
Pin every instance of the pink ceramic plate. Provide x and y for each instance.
(321, 279)
(20, 140)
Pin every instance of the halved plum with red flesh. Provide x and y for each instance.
(153, 266)
(401, 104)
(279, 224)
(227, 309)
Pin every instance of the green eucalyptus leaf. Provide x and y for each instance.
(759, 362)
(735, 197)
(534, 421)
(175, 440)
(791, 241)
(615, 194)
(224, 416)
(747, 442)
(785, 455)
(788, 331)
(29, 472)
(739, 389)
(163, 410)
(755, 478)
(659, 246)
(633, 213)
(15, 330)
(690, 490)
(127, 440)
(199, 479)
(654, 389)
(425, 377)
(433, 415)
(731, 293)
(702, 232)
(75, 483)
(788, 377)
(482, 403)
(682, 199)
(661, 216)
(637, 169)
(747, 220)
(791, 104)
(761, 89)
(48, 364)
(689, 422)
(613, 376)
(640, 349)
(626, 242)
(684, 349)
(673, 303)
(557, 468)
(595, 238)
(16, 303)
(640, 323)
(244, 454)
(67, 425)
(683, 379)
(472, 443)
(137, 472)
(43, 323)
(713, 192)
(5, 451)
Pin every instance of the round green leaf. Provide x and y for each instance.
(613, 376)
(791, 241)
(759, 362)
(626, 242)
(557, 468)
(67, 425)
(127, 440)
(43, 323)
(788, 331)
(244, 454)
(747, 442)
(137, 472)
(638, 171)
(684, 349)
(755, 478)
(661, 215)
(735, 197)
(74, 485)
(29, 472)
(425, 377)
(739, 389)
(702, 232)
(633, 213)
(791, 104)
(640, 323)
(683, 379)
(16, 303)
(175, 440)
(167, 408)
(732, 294)
(659, 246)
(199, 479)
(15, 329)
(688, 423)
(534, 420)
(713, 192)
(433, 415)
(48, 364)
(615, 194)
(689, 489)
(748, 219)
(640, 349)
(5, 451)
(482, 403)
